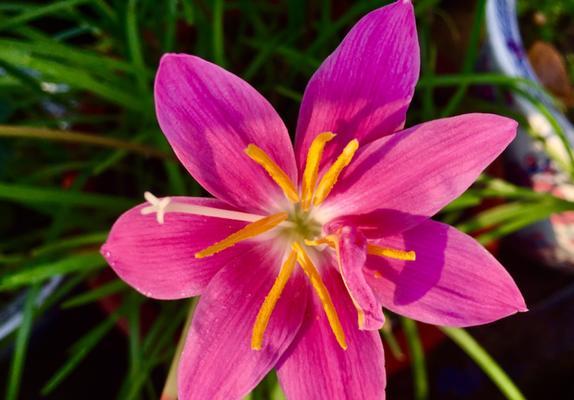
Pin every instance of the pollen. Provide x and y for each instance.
(249, 231)
(332, 175)
(322, 293)
(275, 172)
(391, 253)
(264, 314)
(312, 167)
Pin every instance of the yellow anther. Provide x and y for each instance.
(312, 167)
(391, 253)
(330, 178)
(328, 240)
(247, 232)
(270, 301)
(322, 292)
(274, 171)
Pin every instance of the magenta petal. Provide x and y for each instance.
(454, 280)
(363, 89)
(218, 362)
(418, 171)
(352, 256)
(209, 116)
(316, 367)
(158, 260)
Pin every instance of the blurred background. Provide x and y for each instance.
(79, 144)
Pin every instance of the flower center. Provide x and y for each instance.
(296, 227)
(301, 226)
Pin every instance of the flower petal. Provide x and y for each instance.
(217, 361)
(454, 280)
(209, 117)
(363, 89)
(316, 367)
(159, 260)
(418, 171)
(352, 248)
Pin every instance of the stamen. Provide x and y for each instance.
(322, 292)
(391, 253)
(166, 204)
(330, 178)
(328, 240)
(274, 171)
(251, 230)
(312, 167)
(270, 301)
(371, 249)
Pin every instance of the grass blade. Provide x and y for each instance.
(21, 344)
(475, 351)
(38, 273)
(37, 12)
(30, 132)
(33, 194)
(95, 294)
(418, 366)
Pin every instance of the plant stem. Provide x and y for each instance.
(29, 132)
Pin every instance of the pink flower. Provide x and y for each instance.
(299, 251)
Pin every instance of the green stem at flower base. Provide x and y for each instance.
(29, 132)
(473, 349)
(169, 391)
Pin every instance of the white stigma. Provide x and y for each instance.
(158, 206)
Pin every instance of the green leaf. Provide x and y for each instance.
(37, 273)
(37, 12)
(94, 238)
(21, 345)
(134, 44)
(34, 194)
(95, 294)
(76, 78)
(485, 362)
(218, 39)
(418, 366)
(30, 132)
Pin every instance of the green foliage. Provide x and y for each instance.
(87, 66)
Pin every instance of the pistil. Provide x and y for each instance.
(162, 206)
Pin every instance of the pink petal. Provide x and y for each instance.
(218, 362)
(316, 367)
(363, 89)
(158, 260)
(209, 116)
(416, 172)
(353, 254)
(454, 280)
